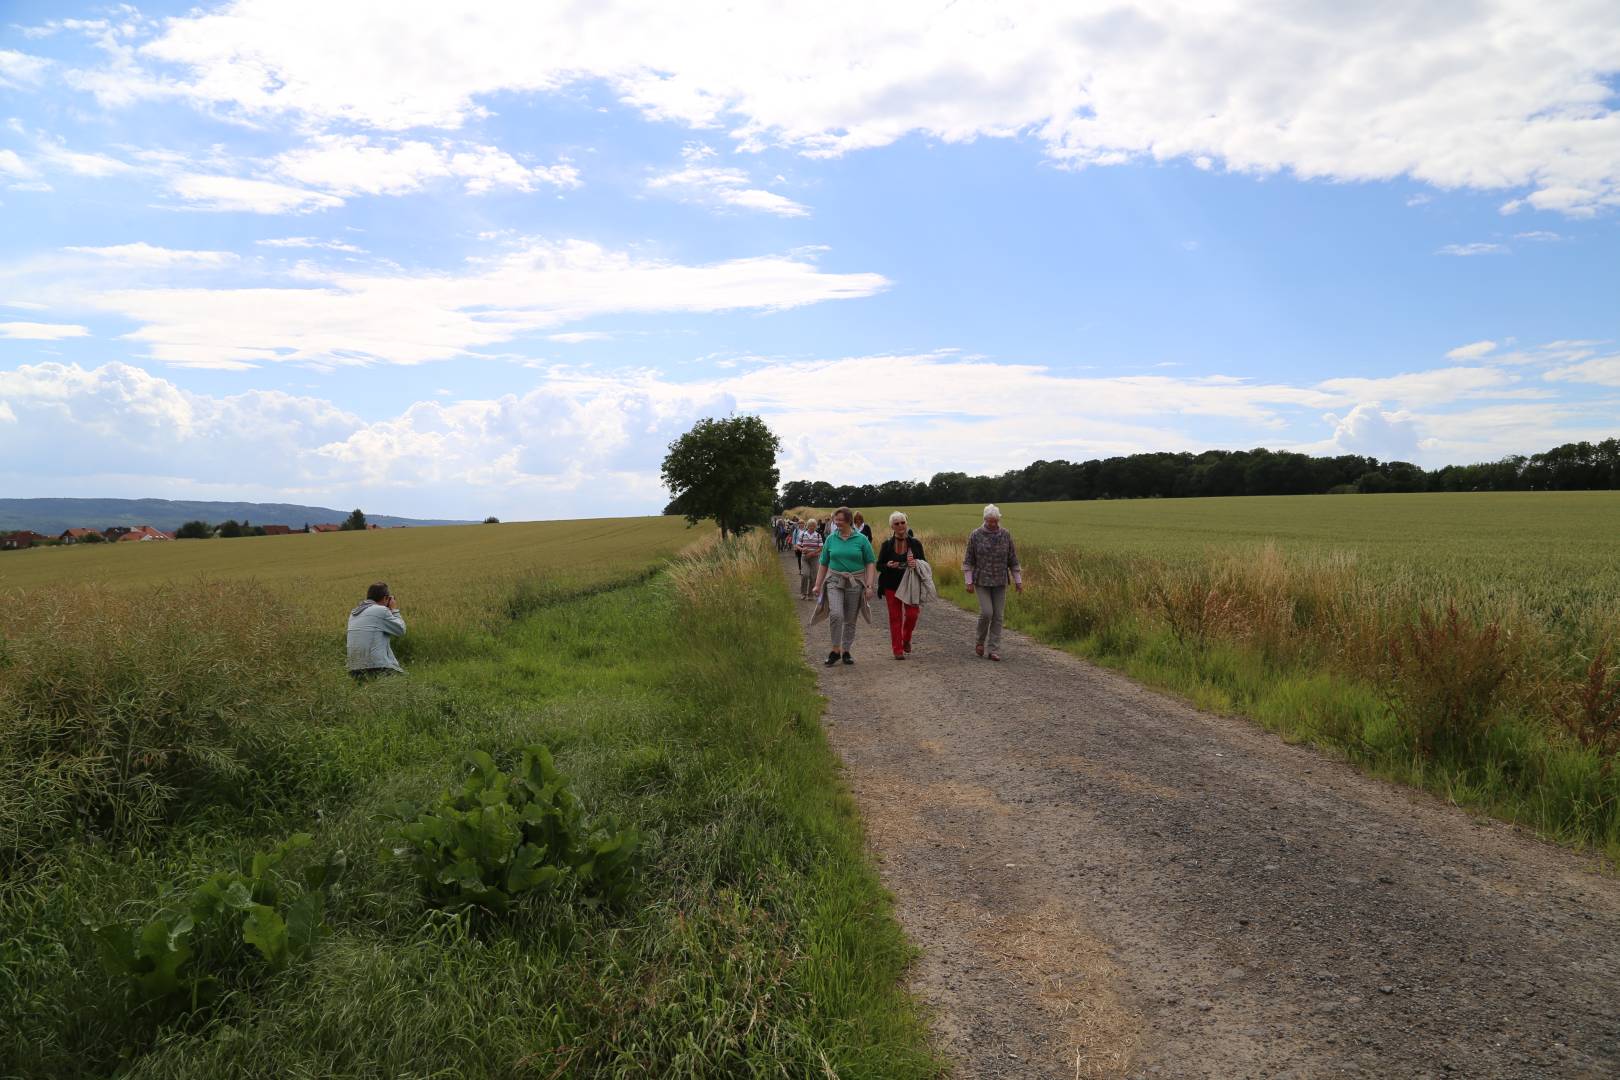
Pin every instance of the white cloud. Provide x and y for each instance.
(1471, 352)
(1419, 388)
(577, 442)
(1472, 249)
(33, 331)
(1538, 236)
(353, 318)
(98, 166)
(1602, 370)
(578, 337)
(311, 242)
(716, 187)
(356, 165)
(144, 254)
(1502, 95)
(239, 194)
(1368, 429)
(13, 165)
(21, 70)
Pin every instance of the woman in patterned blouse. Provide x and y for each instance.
(987, 564)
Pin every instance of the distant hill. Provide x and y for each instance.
(50, 516)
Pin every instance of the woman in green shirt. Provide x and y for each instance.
(849, 573)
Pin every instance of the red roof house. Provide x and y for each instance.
(326, 528)
(73, 536)
(20, 539)
(277, 530)
(145, 532)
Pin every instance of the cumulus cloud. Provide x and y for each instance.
(721, 188)
(33, 331)
(1368, 429)
(1504, 95)
(354, 318)
(577, 442)
(144, 254)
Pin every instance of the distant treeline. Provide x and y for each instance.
(1581, 466)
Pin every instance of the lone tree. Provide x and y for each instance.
(355, 522)
(725, 470)
(194, 530)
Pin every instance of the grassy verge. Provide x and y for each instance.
(758, 942)
(1464, 692)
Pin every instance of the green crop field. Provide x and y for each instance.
(433, 570)
(1541, 545)
(1467, 643)
(594, 831)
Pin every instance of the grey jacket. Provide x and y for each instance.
(917, 585)
(370, 626)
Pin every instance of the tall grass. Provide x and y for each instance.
(1470, 691)
(121, 707)
(760, 942)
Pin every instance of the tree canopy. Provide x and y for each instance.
(725, 470)
(1573, 466)
(355, 522)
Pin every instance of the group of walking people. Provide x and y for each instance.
(841, 572)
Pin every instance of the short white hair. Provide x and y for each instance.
(812, 521)
(896, 517)
(992, 511)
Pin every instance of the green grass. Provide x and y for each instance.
(1468, 644)
(760, 942)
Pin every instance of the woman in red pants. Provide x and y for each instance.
(898, 552)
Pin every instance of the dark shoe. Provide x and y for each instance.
(978, 650)
(908, 646)
(848, 659)
(832, 658)
(899, 656)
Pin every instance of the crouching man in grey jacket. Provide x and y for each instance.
(371, 625)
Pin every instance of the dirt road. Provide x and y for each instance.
(1106, 882)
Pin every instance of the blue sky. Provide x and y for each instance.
(453, 260)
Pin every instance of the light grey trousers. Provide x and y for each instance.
(843, 608)
(992, 605)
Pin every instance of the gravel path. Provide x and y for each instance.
(1106, 882)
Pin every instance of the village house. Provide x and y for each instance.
(277, 530)
(325, 528)
(23, 538)
(142, 533)
(73, 536)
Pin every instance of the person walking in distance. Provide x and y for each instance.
(807, 545)
(372, 625)
(988, 563)
(898, 552)
(862, 527)
(848, 573)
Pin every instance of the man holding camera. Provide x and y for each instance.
(372, 626)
